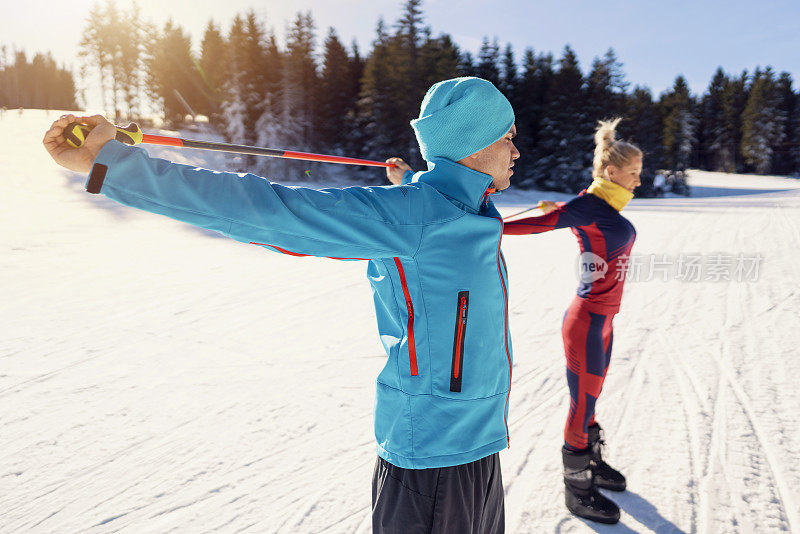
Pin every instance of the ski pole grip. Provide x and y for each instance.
(75, 134)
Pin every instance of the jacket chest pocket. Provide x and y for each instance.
(457, 366)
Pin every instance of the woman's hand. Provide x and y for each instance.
(547, 206)
(78, 159)
(395, 174)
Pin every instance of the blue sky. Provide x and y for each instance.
(654, 40)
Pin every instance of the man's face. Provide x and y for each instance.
(496, 160)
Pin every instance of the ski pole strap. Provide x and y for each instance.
(76, 133)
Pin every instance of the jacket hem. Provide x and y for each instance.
(447, 460)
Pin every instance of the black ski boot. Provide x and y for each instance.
(580, 493)
(605, 476)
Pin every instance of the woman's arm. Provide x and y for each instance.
(557, 215)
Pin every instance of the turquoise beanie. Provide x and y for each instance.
(459, 117)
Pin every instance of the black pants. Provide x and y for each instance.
(464, 499)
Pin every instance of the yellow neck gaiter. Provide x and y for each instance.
(616, 195)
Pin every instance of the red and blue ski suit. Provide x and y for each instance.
(605, 239)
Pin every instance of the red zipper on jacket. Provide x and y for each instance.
(457, 369)
(505, 297)
(412, 349)
(462, 308)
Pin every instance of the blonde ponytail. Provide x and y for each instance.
(609, 151)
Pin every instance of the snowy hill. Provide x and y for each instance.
(158, 378)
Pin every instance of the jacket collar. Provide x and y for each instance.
(457, 182)
(616, 195)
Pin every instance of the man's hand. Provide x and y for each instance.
(395, 174)
(78, 159)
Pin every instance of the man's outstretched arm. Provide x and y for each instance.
(356, 222)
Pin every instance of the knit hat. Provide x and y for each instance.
(461, 116)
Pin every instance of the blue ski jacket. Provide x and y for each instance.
(438, 277)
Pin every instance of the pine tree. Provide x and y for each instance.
(38, 71)
(300, 78)
(677, 110)
(38, 84)
(713, 144)
(235, 115)
(335, 94)
(565, 136)
(95, 51)
(173, 79)
(269, 130)
(396, 75)
(233, 106)
(605, 88)
(131, 58)
(410, 34)
(510, 75)
(532, 90)
(375, 105)
(466, 64)
(787, 153)
(269, 133)
(407, 76)
(488, 61)
(409, 26)
(113, 46)
(252, 55)
(354, 139)
(13, 88)
(65, 91)
(212, 68)
(5, 81)
(112, 36)
(248, 113)
(734, 100)
(24, 78)
(762, 123)
(265, 73)
(642, 127)
(273, 68)
(438, 60)
(356, 71)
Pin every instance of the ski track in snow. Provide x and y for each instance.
(154, 378)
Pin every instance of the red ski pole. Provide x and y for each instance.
(76, 133)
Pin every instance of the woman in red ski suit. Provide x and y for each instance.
(605, 239)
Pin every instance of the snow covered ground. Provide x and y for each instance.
(156, 378)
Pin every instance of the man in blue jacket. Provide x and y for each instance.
(438, 276)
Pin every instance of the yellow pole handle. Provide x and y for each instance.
(75, 134)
